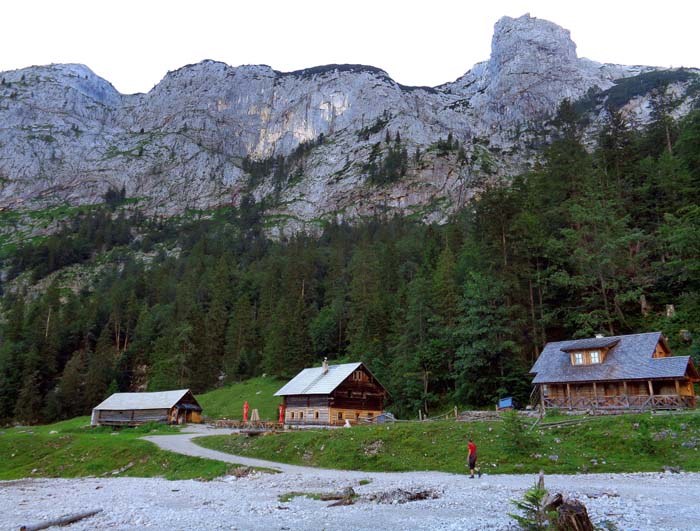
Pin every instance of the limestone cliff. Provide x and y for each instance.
(67, 135)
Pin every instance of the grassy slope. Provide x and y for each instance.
(227, 402)
(612, 441)
(77, 450)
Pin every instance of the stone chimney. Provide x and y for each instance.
(325, 365)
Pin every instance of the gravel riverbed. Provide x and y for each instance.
(643, 502)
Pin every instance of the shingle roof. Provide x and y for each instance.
(593, 342)
(159, 400)
(629, 359)
(314, 382)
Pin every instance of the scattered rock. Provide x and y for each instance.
(554, 458)
(374, 448)
(661, 435)
(673, 469)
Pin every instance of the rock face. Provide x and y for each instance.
(68, 135)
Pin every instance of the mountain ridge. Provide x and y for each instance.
(68, 135)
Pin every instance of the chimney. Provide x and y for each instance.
(325, 365)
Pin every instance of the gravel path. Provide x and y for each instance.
(634, 502)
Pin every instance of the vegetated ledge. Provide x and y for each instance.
(324, 69)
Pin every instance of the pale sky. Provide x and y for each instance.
(133, 43)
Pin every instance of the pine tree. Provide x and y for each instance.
(100, 368)
(241, 356)
(488, 364)
(71, 388)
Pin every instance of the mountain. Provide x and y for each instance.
(319, 143)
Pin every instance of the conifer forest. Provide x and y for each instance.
(599, 237)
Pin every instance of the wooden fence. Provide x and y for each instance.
(633, 402)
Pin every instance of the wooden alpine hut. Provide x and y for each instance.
(332, 394)
(131, 409)
(631, 372)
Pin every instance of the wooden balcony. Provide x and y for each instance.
(621, 402)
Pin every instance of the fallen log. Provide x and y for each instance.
(64, 520)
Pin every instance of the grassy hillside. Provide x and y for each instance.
(73, 449)
(228, 401)
(628, 443)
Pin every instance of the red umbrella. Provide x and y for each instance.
(246, 407)
(282, 408)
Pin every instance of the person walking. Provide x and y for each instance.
(471, 457)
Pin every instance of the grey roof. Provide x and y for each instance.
(314, 382)
(593, 342)
(159, 400)
(630, 358)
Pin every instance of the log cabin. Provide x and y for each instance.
(330, 395)
(631, 372)
(132, 409)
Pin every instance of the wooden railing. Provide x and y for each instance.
(637, 402)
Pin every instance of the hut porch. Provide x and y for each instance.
(626, 395)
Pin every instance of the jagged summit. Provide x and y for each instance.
(531, 32)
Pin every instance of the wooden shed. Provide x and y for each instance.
(131, 409)
(332, 394)
(631, 372)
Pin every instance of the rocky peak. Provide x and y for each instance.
(532, 68)
(519, 45)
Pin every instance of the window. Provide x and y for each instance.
(595, 356)
(301, 415)
(578, 358)
(291, 415)
(315, 414)
(340, 415)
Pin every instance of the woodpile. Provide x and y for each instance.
(476, 416)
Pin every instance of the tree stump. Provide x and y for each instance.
(573, 516)
(552, 502)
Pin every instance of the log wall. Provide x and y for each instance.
(131, 417)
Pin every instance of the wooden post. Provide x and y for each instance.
(568, 394)
(651, 394)
(624, 391)
(542, 397)
(678, 388)
(595, 396)
(456, 414)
